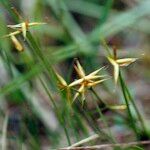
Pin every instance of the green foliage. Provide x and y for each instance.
(74, 29)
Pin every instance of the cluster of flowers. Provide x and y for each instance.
(85, 81)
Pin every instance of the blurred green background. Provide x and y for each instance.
(73, 29)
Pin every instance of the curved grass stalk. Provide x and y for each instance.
(57, 111)
(101, 114)
(135, 107)
(133, 125)
(93, 125)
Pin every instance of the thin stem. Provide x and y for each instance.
(137, 111)
(51, 73)
(56, 110)
(86, 140)
(92, 124)
(127, 103)
(38, 52)
(101, 114)
(105, 146)
(66, 132)
(103, 105)
(106, 47)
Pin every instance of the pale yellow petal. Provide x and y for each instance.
(116, 68)
(12, 34)
(15, 26)
(36, 23)
(118, 107)
(112, 61)
(94, 77)
(96, 71)
(76, 82)
(96, 82)
(24, 29)
(80, 91)
(30, 24)
(125, 61)
(116, 72)
(17, 44)
(61, 80)
(79, 70)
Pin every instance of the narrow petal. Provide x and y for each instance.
(94, 77)
(80, 91)
(112, 61)
(76, 82)
(79, 69)
(14, 26)
(30, 24)
(61, 80)
(125, 61)
(12, 34)
(36, 23)
(17, 44)
(96, 71)
(24, 29)
(96, 82)
(116, 72)
(116, 68)
(118, 107)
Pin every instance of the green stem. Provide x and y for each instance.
(38, 52)
(57, 111)
(93, 125)
(137, 111)
(51, 73)
(127, 103)
(101, 114)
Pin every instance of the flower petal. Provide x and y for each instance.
(12, 34)
(125, 61)
(96, 82)
(116, 72)
(80, 91)
(60, 79)
(17, 44)
(94, 77)
(36, 23)
(79, 69)
(24, 29)
(14, 26)
(76, 82)
(118, 107)
(116, 68)
(111, 60)
(96, 71)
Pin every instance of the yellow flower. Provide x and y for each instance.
(120, 63)
(62, 84)
(86, 81)
(17, 44)
(23, 27)
(20, 28)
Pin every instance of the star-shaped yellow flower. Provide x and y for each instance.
(86, 81)
(23, 27)
(120, 63)
(62, 84)
(20, 28)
